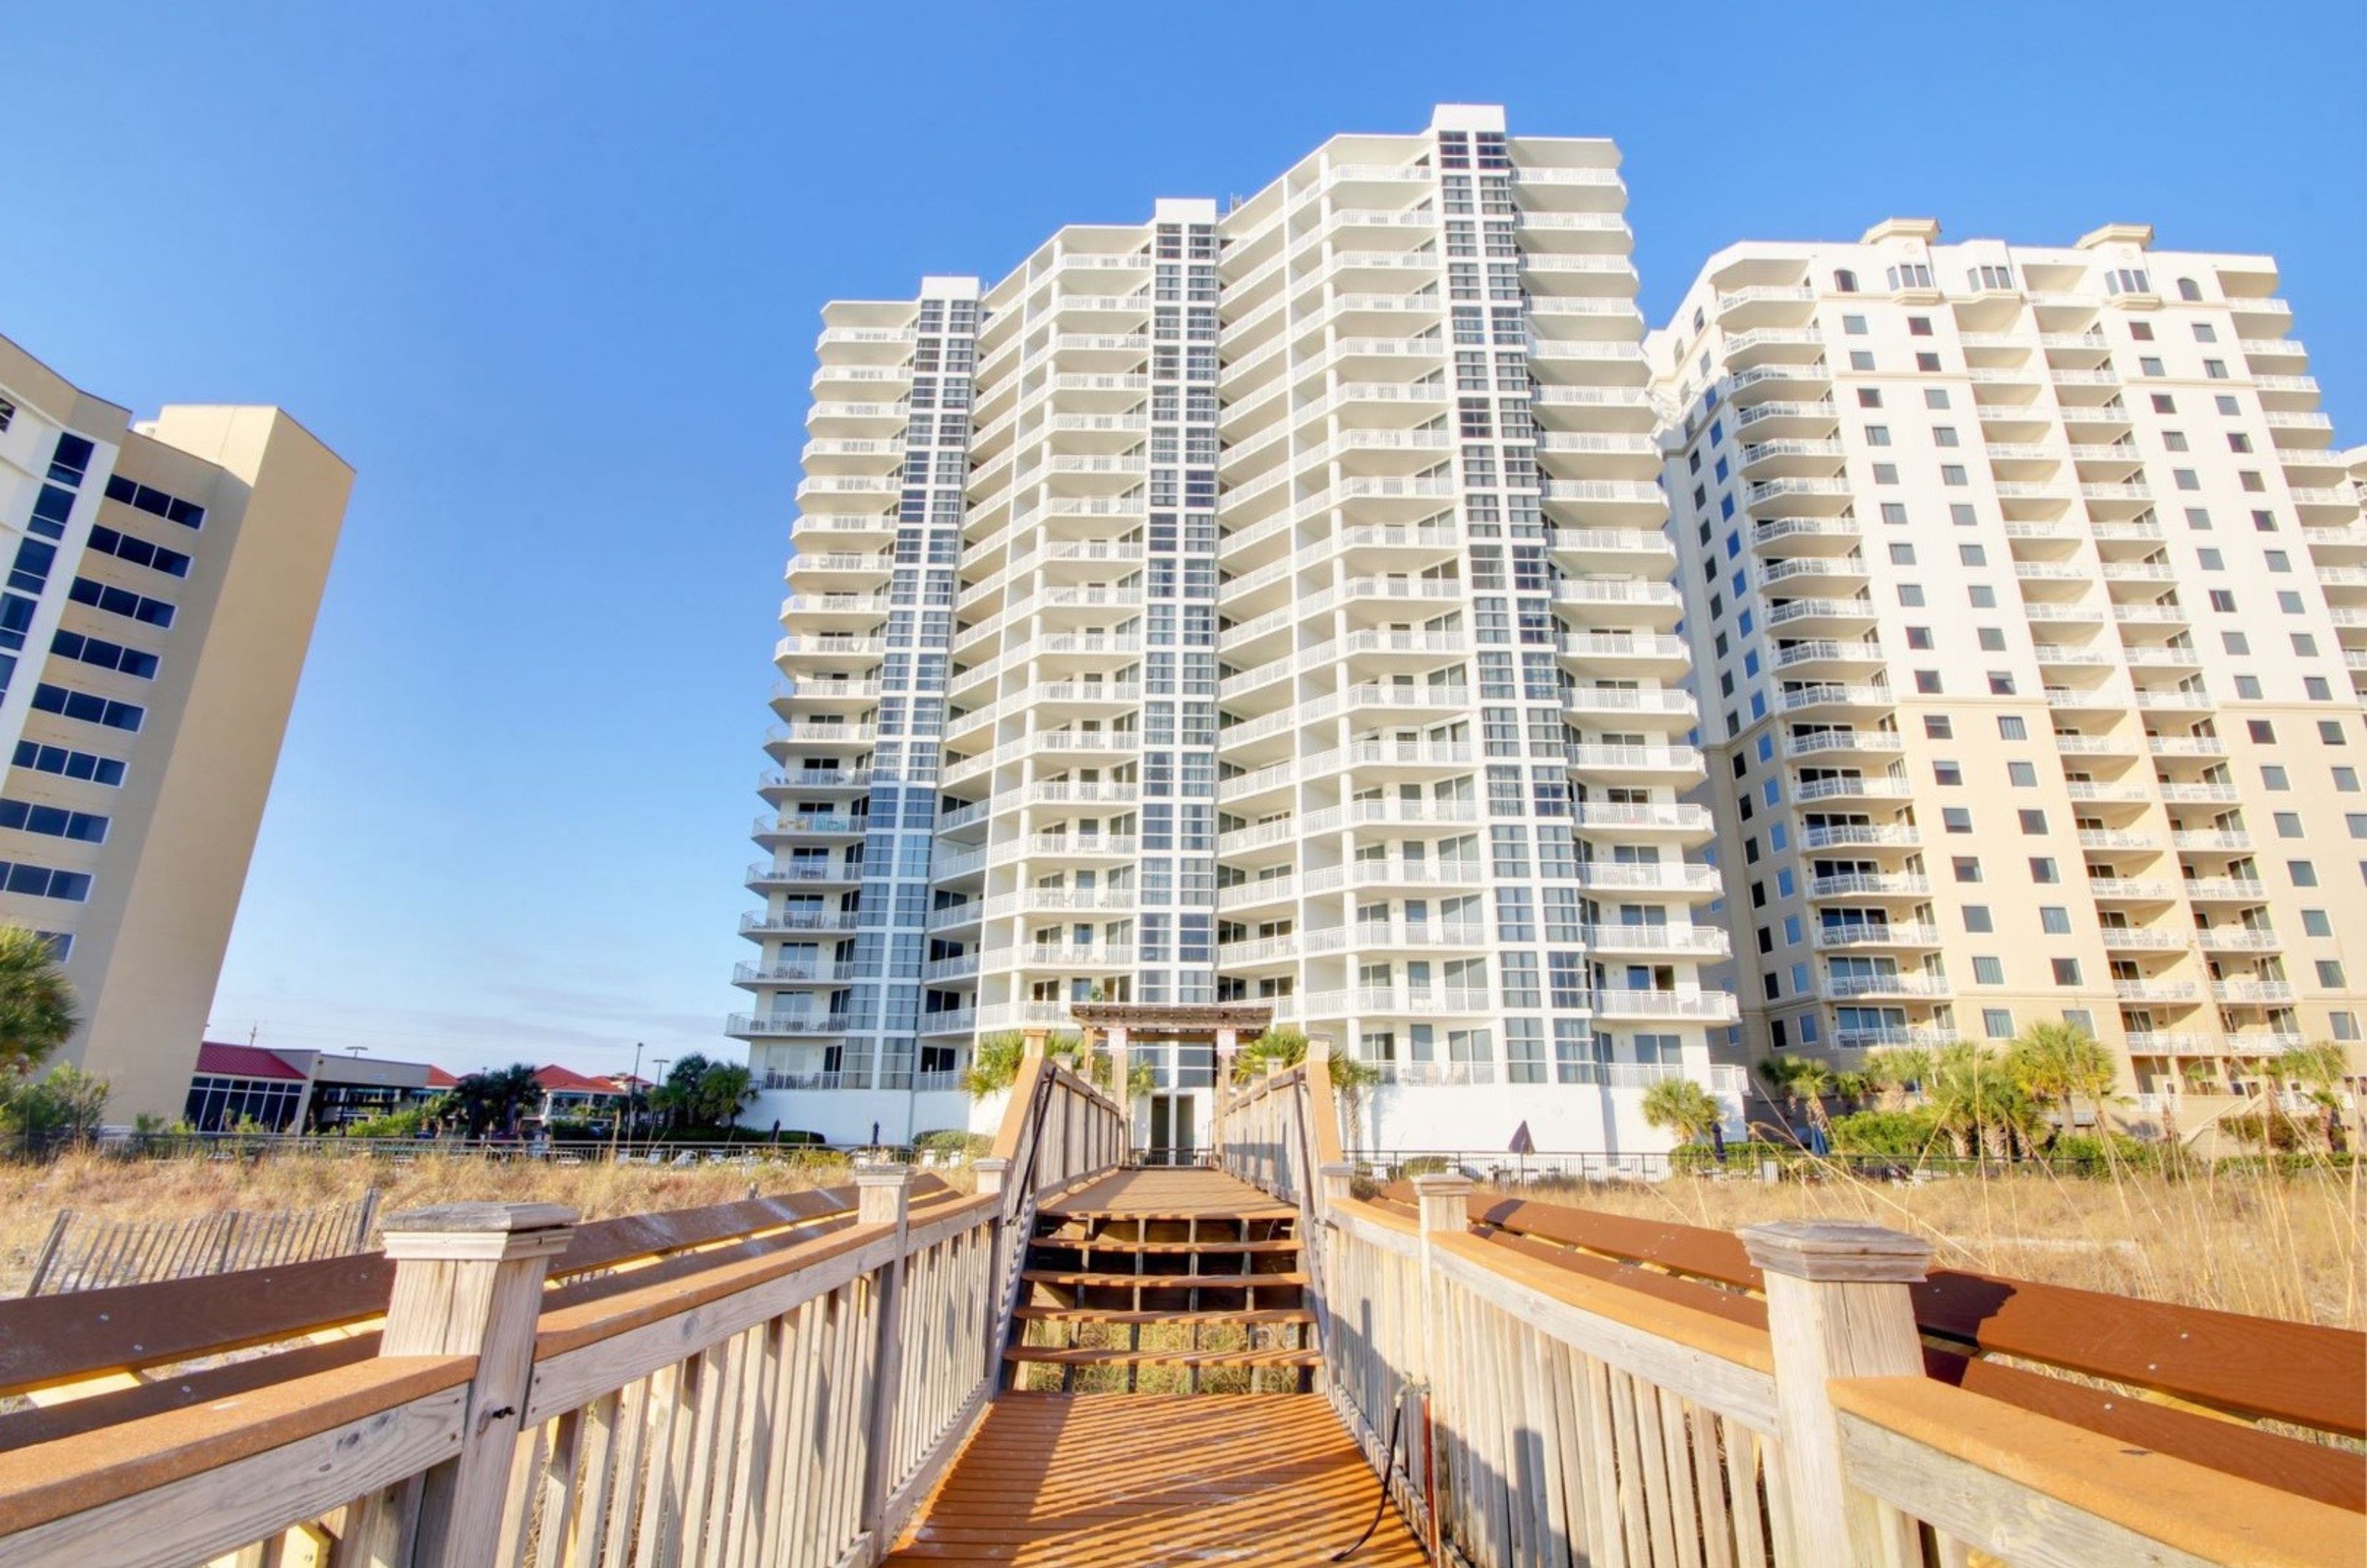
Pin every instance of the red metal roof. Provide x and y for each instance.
(438, 1079)
(557, 1079)
(244, 1062)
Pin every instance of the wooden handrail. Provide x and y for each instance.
(1972, 1465)
(52, 1341)
(49, 1480)
(2260, 1369)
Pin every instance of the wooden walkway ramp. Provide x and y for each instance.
(1138, 1481)
(1135, 1479)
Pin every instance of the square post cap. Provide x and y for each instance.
(496, 1232)
(1836, 1250)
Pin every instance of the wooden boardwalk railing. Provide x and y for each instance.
(778, 1382)
(1587, 1388)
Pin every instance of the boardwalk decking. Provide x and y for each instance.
(1180, 1193)
(1138, 1481)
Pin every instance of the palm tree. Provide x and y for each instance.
(1283, 1047)
(1804, 1082)
(37, 1005)
(1978, 1101)
(993, 1063)
(1683, 1107)
(2054, 1062)
(722, 1090)
(2320, 1069)
(495, 1099)
(1893, 1071)
(1353, 1080)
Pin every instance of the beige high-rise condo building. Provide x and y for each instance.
(1250, 614)
(2028, 601)
(162, 579)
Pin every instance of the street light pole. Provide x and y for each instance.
(634, 1078)
(658, 1066)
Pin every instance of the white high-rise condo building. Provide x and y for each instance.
(162, 579)
(1247, 614)
(2028, 603)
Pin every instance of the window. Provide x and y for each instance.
(1927, 362)
(69, 764)
(2302, 873)
(1948, 773)
(1869, 397)
(1894, 514)
(1926, 681)
(2273, 778)
(105, 655)
(1919, 638)
(1977, 919)
(2022, 775)
(1844, 282)
(2012, 728)
(54, 820)
(2262, 731)
(1885, 473)
(1998, 1022)
(1967, 868)
(2329, 973)
(1939, 726)
(1956, 818)
(2067, 971)
(120, 602)
(1860, 359)
(2055, 919)
(139, 552)
(1877, 435)
(2043, 870)
(2033, 822)
(1987, 971)
(41, 882)
(1972, 555)
(2330, 732)
(1983, 278)
(155, 502)
(2288, 824)
(2000, 683)
(48, 698)
(2315, 922)
(1853, 326)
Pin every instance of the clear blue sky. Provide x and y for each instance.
(547, 275)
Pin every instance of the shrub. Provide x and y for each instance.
(1898, 1135)
(410, 1123)
(1695, 1158)
(1422, 1164)
(957, 1140)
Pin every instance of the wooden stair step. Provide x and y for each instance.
(1063, 1356)
(1262, 1316)
(1106, 1243)
(1157, 1281)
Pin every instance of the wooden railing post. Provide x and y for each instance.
(1442, 1203)
(468, 1281)
(1839, 1306)
(1338, 1184)
(883, 1196)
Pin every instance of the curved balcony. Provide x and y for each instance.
(777, 1026)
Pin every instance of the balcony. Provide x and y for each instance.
(774, 1025)
(1831, 742)
(764, 922)
(1888, 836)
(1673, 940)
(1668, 876)
(1871, 933)
(1844, 987)
(1870, 885)
(2252, 993)
(1713, 1007)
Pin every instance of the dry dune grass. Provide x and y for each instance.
(2288, 1246)
(112, 1190)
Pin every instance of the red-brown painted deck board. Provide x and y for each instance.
(1149, 1480)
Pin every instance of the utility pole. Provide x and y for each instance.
(658, 1066)
(632, 1088)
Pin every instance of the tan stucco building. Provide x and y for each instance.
(162, 581)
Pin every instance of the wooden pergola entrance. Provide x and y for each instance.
(1179, 1107)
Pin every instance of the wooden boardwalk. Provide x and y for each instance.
(1179, 1193)
(1138, 1481)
